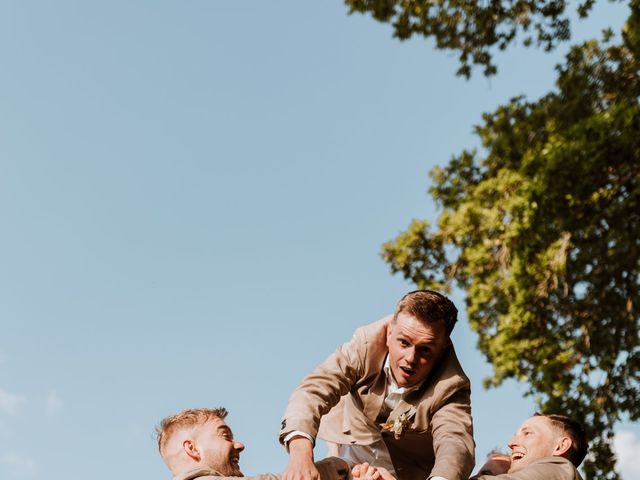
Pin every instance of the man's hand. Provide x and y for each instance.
(364, 471)
(300, 465)
(496, 464)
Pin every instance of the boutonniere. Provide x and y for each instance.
(398, 425)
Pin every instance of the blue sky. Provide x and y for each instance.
(193, 198)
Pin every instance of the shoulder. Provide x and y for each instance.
(264, 476)
(449, 377)
(369, 342)
(548, 468)
(209, 474)
(452, 367)
(375, 332)
(556, 463)
(552, 468)
(451, 363)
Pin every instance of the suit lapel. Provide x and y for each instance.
(375, 397)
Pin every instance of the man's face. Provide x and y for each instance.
(414, 348)
(218, 449)
(535, 439)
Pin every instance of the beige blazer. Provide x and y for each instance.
(331, 468)
(550, 468)
(340, 401)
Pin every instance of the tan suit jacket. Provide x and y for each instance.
(550, 468)
(347, 392)
(331, 468)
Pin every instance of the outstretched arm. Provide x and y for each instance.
(452, 436)
(300, 466)
(318, 393)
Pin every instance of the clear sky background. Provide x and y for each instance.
(193, 196)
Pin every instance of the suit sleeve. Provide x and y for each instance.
(452, 430)
(321, 390)
(552, 468)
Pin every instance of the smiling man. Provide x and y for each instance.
(549, 447)
(395, 396)
(198, 444)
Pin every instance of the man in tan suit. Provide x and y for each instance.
(198, 444)
(394, 396)
(548, 447)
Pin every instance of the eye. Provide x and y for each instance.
(404, 343)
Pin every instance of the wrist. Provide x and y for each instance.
(300, 447)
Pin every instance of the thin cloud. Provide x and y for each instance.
(17, 465)
(626, 446)
(9, 402)
(53, 403)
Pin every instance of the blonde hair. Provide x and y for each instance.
(186, 418)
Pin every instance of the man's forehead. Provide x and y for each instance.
(410, 326)
(217, 424)
(207, 428)
(537, 423)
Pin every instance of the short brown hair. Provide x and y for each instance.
(575, 431)
(429, 307)
(186, 418)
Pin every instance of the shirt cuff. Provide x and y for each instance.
(298, 433)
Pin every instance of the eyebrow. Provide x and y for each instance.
(410, 339)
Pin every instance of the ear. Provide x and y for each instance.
(191, 449)
(563, 444)
(389, 328)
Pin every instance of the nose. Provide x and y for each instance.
(239, 446)
(513, 442)
(410, 355)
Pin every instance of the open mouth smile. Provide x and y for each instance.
(515, 456)
(408, 371)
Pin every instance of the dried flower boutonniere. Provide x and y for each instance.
(398, 425)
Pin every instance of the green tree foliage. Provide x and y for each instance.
(476, 29)
(542, 231)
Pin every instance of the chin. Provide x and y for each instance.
(231, 471)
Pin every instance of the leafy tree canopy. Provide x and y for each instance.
(542, 231)
(476, 29)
